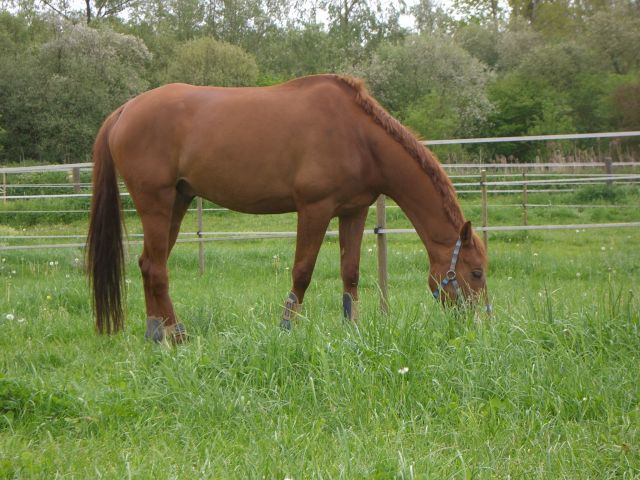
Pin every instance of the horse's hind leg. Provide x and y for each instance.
(180, 208)
(351, 229)
(313, 221)
(156, 210)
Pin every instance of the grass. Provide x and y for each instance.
(546, 388)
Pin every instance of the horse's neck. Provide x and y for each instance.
(414, 192)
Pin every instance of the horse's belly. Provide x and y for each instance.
(242, 189)
(249, 202)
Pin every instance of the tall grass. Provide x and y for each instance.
(545, 388)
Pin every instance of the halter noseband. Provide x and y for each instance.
(451, 277)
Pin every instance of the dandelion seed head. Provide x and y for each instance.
(403, 370)
(10, 316)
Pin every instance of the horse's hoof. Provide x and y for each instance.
(177, 334)
(155, 329)
(285, 325)
(159, 333)
(349, 308)
(291, 308)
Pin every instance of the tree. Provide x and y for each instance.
(92, 10)
(480, 41)
(480, 11)
(626, 106)
(56, 96)
(430, 17)
(515, 43)
(615, 35)
(206, 61)
(418, 72)
(360, 25)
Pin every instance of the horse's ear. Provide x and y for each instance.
(466, 233)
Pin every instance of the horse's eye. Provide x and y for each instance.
(477, 274)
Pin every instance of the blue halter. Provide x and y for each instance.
(451, 277)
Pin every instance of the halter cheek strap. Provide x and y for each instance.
(451, 277)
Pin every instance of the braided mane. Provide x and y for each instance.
(417, 150)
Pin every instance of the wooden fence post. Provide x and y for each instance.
(485, 215)
(200, 239)
(75, 175)
(608, 166)
(525, 199)
(383, 276)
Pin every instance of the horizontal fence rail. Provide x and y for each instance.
(243, 236)
(567, 180)
(533, 138)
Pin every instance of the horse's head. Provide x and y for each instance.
(462, 274)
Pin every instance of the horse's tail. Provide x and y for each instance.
(105, 253)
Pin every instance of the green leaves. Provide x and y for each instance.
(206, 61)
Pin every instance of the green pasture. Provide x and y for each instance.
(548, 387)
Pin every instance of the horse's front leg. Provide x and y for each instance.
(351, 229)
(313, 221)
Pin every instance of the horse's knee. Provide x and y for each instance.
(154, 276)
(301, 277)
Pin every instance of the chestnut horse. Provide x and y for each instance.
(320, 146)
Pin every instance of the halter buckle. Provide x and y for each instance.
(450, 275)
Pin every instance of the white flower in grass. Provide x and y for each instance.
(403, 370)
(21, 320)
(370, 250)
(603, 248)
(51, 264)
(10, 316)
(577, 274)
